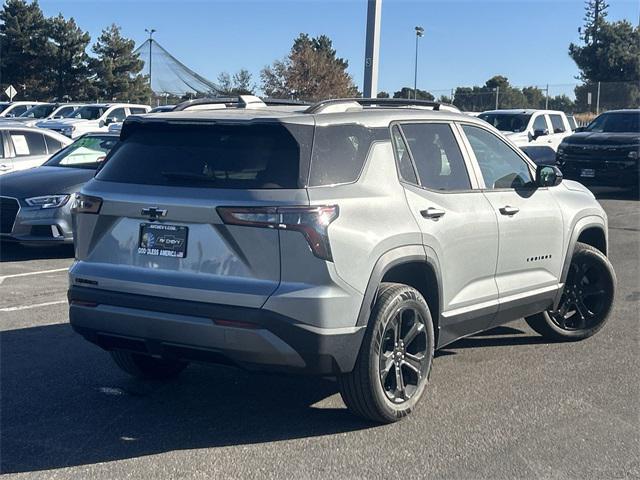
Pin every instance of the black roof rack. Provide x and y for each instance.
(368, 102)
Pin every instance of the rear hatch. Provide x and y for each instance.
(159, 230)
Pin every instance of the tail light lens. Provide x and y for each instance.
(86, 204)
(312, 222)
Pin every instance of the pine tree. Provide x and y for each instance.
(118, 69)
(25, 50)
(69, 62)
(311, 71)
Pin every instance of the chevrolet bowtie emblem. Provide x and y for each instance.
(154, 212)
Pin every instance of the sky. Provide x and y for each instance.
(465, 43)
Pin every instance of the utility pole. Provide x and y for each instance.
(546, 100)
(372, 49)
(150, 31)
(419, 33)
(497, 96)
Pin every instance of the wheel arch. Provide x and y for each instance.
(409, 265)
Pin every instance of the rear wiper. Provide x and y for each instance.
(196, 177)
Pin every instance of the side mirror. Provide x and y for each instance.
(540, 133)
(548, 176)
(109, 121)
(580, 129)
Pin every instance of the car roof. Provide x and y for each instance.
(371, 117)
(623, 110)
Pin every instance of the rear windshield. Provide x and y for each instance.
(250, 156)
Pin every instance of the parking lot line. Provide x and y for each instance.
(2, 279)
(27, 307)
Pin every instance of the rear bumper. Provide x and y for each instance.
(263, 340)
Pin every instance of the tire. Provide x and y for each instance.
(368, 391)
(147, 367)
(586, 301)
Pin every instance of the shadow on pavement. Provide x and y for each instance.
(12, 252)
(605, 193)
(64, 403)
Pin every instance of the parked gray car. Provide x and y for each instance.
(35, 205)
(350, 238)
(26, 147)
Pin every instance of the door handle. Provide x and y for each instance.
(509, 210)
(433, 213)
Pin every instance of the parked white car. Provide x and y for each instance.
(15, 109)
(26, 147)
(46, 111)
(530, 127)
(95, 117)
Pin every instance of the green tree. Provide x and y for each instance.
(239, 84)
(534, 97)
(25, 50)
(311, 71)
(562, 103)
(118, 69)
(382, 94)
(407, 92)
(69, 61)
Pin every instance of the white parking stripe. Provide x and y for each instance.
(2, 279)
(27, 307)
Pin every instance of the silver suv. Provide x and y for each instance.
(350, 238)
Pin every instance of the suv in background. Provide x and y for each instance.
(94, 117)
(350, 238)
(530, 127)
(10, 110)
(46, 111)
(606, 152)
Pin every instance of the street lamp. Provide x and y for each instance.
(150, 31)
(419, 33)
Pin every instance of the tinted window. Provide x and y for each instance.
(28, 143)
(501, 167)
(86, 152)
(258, 156)
(616, 122)
(39, 111)
(19, 110)
(437, 156)
(88, 113)
(65, 111)
(507, 122)
(405, 166)
(557, 123)
(572, 122)
(118, 115)
(540, 123)
(137, 110)
(339, 153)
(53, 145)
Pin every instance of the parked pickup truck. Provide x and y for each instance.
(530, 127)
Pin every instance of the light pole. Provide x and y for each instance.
(150, 31)
(419, 33)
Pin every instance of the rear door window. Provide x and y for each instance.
(437, 156)
(557, 123)
(28, 143)
(405, 165)
(53, 145)
(137, 110)
(253, 156)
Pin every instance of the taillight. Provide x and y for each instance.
(312, 222)
(86, 204)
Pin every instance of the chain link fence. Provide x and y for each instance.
(585, 100)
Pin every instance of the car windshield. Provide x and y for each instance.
(87, 152)
(507, 122)
(88, 113)
(618, 122)
(39, 111)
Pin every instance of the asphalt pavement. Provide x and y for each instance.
(504, 404)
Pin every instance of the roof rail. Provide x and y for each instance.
(322, 106)
(241, 101)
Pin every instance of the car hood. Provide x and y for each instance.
(43, 181)
(595, 138)
(62, 122)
